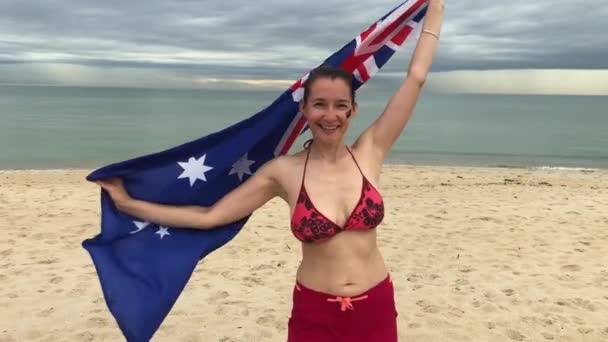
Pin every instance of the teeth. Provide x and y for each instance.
(329, 127)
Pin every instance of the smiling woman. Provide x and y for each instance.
(343, 290)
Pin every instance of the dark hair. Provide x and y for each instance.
(328, 71)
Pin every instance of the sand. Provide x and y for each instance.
(476, 254)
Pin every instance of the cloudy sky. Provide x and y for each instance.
(517, 46)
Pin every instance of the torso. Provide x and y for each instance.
(349, 262)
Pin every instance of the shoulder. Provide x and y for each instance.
(283, 165)
(285, 172)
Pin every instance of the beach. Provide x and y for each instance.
(476, 254)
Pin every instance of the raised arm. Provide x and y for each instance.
(240, 202)
(383, 132)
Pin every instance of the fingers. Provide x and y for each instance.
(438, 4)
(110, 183)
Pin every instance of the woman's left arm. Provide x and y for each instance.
(386, 129)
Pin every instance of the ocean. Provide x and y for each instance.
(44, 127)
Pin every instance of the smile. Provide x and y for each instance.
(329, 128)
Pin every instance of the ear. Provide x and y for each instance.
(354, 110)
(302, 106)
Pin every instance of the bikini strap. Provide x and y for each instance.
(355, 159)
(305, 163)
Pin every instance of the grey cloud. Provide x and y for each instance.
(281, 38)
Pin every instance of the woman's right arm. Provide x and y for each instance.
(242, 201)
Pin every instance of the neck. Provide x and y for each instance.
(330, 153)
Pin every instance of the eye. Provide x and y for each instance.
(318, 104)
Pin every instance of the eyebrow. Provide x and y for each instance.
(323, 99)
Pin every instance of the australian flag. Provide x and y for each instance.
(143, 267)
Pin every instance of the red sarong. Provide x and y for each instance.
(320, 317)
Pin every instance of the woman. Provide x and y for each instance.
(343, 291)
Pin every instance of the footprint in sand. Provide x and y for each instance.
(85, 336)
(584, 330)
(565, 277)
(434, 217)
(55, 280)
(414, 325)
(452, 310)
(427, 307)
(253, 281)
(414, 277)
(486, 219)
(46, 313)
(490, 295)
(97, 322)
(466, 269)
(571, 268)
(547, 336)
(515, 335)
(262, 267)
(46, 262)
(266, 320)
(577, 320)
(225, 339)
(585, 304)
(217, 296)
(508, 292)
(78, 291)
(461, 282)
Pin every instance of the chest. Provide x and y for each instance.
(334, 193)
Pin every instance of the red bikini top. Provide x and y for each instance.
(308, 224)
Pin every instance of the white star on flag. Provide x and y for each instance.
(194, 169)
(162, 231)
(140, 226)
(298, 94)
(241, 167)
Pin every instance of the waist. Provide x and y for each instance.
(345, 276)
(385, 283)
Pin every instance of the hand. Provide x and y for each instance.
(436, 5)
(116, 189)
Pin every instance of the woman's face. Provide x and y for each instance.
(328, 107)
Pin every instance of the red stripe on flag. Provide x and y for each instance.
(396, 23)
(353, 62)
(387, 31)
(400, 37)
(296, 85)
(293, 135)
(367, 32)
(363, 72)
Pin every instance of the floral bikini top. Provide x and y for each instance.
(308, 224)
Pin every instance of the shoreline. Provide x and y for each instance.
(386, 165)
